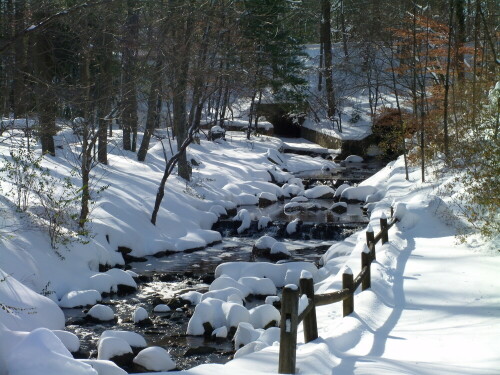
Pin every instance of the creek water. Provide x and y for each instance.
(163, 278)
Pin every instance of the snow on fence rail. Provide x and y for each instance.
(291, 317)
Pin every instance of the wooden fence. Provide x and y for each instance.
(290, 315)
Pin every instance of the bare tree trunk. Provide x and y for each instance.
(129, 90)
(153, 114)
(447, 85)
(326, 42)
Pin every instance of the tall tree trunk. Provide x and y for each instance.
(326, 42)
(152, 114)
(129, 90)
(20, 100)
(447, 85)
(180, 86)
(104, 100)
(460, 38)
(44, 68)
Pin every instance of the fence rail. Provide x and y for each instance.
(291, 317)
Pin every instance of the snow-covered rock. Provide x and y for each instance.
(267, 199)
(155, 358)
(319, 192)
(141, 316)
(161, 308)
(244, 216)
(124, 280)
(258, 285)
(264, 222)
(299, 199)
(279, 250)
(220, 333)
(293, 226)
(264, 315)
(101, 313)
(225, 281)
(80, 298)
(111, 347)
(340, 189)
(103, 283)
(275, 272)
(69, 339)
(353, 159)
(223, 294)
(132, 338)
(245, 333)
(218, 210)
(358, 193)
(339, 207)
(234, 314)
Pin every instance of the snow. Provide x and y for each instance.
(245, 333)
(122, 277)
(268, 196)
(280, 248)
(261, 316)
(263, 222)
(110, 347)
(140, 314)
(132, 338)
(292, 226)
(432, 308)
(299, 199)
(155, 358)
(358, 193)
(319, 191)
(340, 189)
(276, 272)
(102, 313)
(258, 285)
(220, 333)
(353, 159)
(265, 242)
(225, 282)
(41, 352)
(161, 308)
(80, 298)
(104, 367)
(69, 340)
(24, 310)
(243, 216)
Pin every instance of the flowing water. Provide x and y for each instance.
(163, 278)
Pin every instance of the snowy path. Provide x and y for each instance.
(432, 310)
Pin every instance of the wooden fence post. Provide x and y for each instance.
(370, 241)
(392, 211)
(384, 229)
(348, 283)
(288, 327)
(366, 261)
(310, 323)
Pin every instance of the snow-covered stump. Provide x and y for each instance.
(288, 329)
(310, 323)
(348, 283)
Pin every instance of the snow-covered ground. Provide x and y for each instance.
(432, 308)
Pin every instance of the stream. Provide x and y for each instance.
(161, 279)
